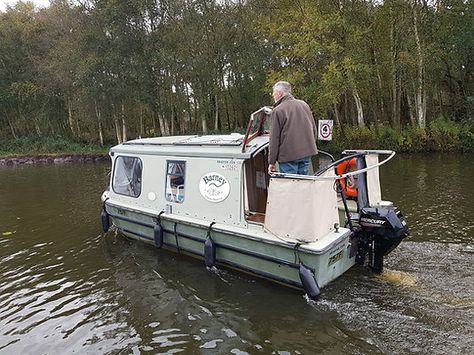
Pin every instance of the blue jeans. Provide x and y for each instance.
(300, 166)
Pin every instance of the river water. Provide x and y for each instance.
(65, 288)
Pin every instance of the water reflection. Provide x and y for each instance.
(64, 288)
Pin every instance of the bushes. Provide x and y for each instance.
(413, 139)
(442, 135)
(466, 139)
(46, 145)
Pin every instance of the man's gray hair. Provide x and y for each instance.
(283, 86)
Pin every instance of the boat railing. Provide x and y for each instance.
(319, 175)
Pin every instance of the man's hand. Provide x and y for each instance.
(271, 169)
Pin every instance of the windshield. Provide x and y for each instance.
(259, 124)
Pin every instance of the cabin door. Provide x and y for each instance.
(257, 181)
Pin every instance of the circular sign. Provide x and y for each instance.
(325, 130)
(214, 187)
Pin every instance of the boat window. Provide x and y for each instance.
(175, 174)
(127, 176)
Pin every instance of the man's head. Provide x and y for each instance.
(281, 89)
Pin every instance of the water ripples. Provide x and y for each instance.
(65, 289)
(434, 193)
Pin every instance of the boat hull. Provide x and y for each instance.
(240, 248)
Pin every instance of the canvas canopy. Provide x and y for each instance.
(301, 209)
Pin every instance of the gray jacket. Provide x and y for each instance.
(292, 131)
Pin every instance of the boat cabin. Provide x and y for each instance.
(222, 179)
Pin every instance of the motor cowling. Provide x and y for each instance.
(385, 222)
(382, 229)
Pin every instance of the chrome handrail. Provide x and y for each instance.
(391, 154)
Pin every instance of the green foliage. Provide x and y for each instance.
(413, 139)
(443, 135)
(360, 137)
(31, 146)
(387, 137)
(113, 70)
(466, 139)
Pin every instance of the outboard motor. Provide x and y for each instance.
(382, 229)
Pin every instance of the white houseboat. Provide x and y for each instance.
(211, 197)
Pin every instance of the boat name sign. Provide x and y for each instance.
(214, 187)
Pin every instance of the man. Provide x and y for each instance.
(292, 133)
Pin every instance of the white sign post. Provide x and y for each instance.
(325, 130)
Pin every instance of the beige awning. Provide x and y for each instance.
(305, 210)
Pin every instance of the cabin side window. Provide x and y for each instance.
(127, 176)
(175, 175)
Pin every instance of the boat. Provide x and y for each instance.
(210, 197)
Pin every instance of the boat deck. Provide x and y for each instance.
(256, 217)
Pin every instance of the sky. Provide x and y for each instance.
(38, 3)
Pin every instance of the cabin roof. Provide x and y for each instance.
(210, 146)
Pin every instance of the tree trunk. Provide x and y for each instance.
(395, 87)
(346, 110)
(124, 125)
(336, 115)
(226, 103)
(234, 109)
(37, 128)
(382, 105)
(410, 110)
(99, 121)
(380, 113)
(70, 118)
(216, 117)
(117, 130)
(167, 127)
(360, 112)
(204, 124)
(196, 115)
(78, 129)
(172, 121)
(189, 124)
(12, 129)
(420, 97)
(116, 125)
(35, 122)
(161, 123)
(153, 118)
(399, 101)
(141, 122)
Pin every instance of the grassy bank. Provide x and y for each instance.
(39, 146)
(440, 136)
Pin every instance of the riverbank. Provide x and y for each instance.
(440, 136)
(53, 159)
(49, 150)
